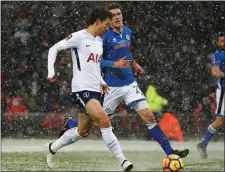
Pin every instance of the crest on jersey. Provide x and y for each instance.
(114, 39)
(128, 37)
(108, 110)
(86, 94)
(68, 37)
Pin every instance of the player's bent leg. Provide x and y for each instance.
(97, 113)
(155, 131)
(211, 131)
(84, 125)
(70, 136)
(64, 126)
(102, 120)
(74, 134)
(67, 124)
(50, 156)
(218, 123)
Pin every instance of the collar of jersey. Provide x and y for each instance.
(116, 31)
(90, 33)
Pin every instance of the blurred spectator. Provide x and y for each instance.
(16, 109)
(170, 125)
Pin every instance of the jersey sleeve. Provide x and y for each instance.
(106, 63)
(71, 41)
(103, 62)
(216, 60)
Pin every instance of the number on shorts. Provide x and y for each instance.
(137, 89)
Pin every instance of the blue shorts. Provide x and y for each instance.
(81, 98)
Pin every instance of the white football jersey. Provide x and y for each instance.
(86, 55)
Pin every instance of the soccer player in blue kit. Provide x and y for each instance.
(118, 75)
(218, 70)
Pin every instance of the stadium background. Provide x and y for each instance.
(173, 41)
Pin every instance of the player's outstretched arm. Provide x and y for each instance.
(70, 42)
(122, 63)
(51, 60)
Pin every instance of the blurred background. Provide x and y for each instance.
(173, 41)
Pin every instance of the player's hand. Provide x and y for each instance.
(52, 79)
(122, 63)
(105, 89)
(137, 68)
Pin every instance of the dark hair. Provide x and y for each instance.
(113, 6)
(219, 35)
(99, 13)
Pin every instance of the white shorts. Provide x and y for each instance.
(130, 94)
(220, 102)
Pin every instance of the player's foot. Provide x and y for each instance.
(182, 153)
(127, 166)
(202, 150)
(64, 127)
(50, 156)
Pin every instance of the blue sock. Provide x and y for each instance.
(160, 137)
(72, 123)
(208, 135)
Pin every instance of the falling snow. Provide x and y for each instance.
(173, 41)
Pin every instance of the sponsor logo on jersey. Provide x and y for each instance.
(108, 110)
(94, 58)
(121, 45)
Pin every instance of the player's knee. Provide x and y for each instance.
(83, 132)
(220, 122)
(150, 118)
(142, 105)
(104, 122)
(147, 116)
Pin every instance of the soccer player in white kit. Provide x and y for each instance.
(87, 86)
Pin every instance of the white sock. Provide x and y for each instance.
(112, 143)
(69, 137)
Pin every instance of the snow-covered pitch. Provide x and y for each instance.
(93, 155)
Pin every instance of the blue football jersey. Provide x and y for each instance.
(115, 46)
(218, 59)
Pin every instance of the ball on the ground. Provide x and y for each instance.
(173, 163)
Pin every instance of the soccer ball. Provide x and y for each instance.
(173, 163)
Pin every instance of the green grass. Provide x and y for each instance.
(104, 161)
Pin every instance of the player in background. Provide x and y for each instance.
(121, 81)
(217, 70)
(87, 86)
